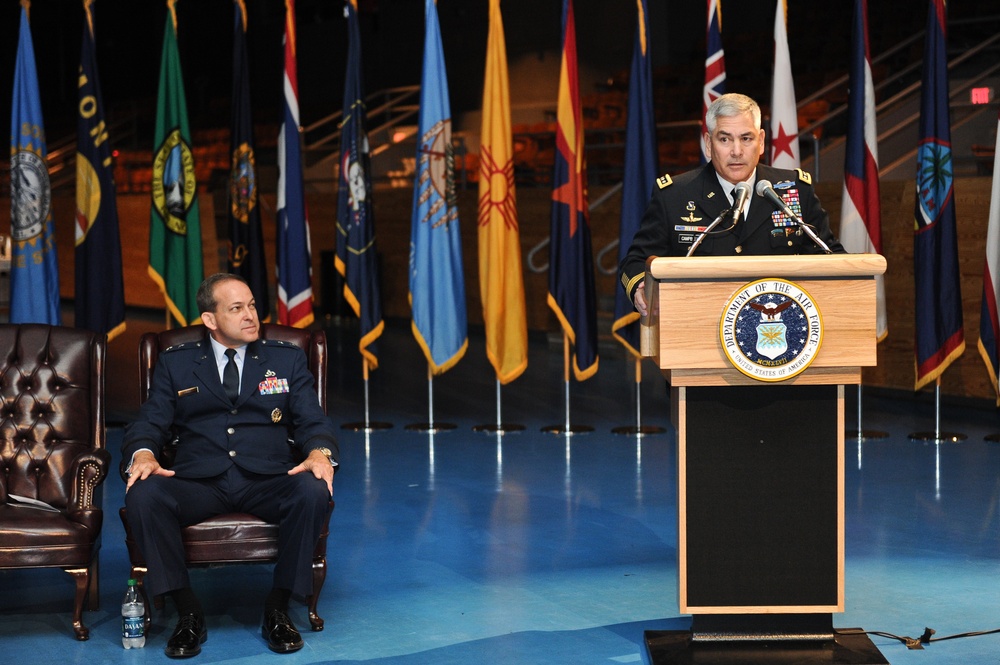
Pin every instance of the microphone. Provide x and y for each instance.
(708, 229)
(740, 195)
(765, 189)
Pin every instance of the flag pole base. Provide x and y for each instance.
(373, 426)
(866, 434)
(568, 431)
(430, 428)
(503, 428)
(642, 430)
(938, 437)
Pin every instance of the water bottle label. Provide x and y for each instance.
(132, 626)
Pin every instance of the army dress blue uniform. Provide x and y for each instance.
(230, 457)
(681, 207)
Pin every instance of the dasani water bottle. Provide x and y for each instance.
(133, 621)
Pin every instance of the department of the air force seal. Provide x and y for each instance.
(771, 329)
(29, 195)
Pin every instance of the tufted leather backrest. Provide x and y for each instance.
(51, 408)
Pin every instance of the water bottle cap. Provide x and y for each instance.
(131, 581)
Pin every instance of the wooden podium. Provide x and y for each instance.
(757, 351)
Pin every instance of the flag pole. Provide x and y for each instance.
(638, 430)
(567, 428)
(937, 436)
(430, 426)
(367, 426)
(861, 433)
(500, 428)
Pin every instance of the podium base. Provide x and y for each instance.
(676, 647)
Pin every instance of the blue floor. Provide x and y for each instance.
(462, 547)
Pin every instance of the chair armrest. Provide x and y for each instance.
(89, 470)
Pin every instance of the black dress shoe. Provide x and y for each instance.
(188, 637)
(279, 632)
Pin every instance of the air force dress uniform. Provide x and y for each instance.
(230, 456)
(681, 208)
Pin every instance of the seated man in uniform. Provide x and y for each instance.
(683, 207)
(233, 455)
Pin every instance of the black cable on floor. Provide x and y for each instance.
(916, 643)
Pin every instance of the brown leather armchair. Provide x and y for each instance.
(238, 537)
(52, 449)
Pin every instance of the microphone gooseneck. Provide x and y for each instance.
(765, 189)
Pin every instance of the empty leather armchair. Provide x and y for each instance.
(237, 537)
(52, 450)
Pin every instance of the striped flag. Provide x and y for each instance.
(357, 258)
(715, 69)
(501, 282)
(940, 334)
(784, 116)
(641, 167)
(175, 259)
(989, 323)
(34, 275)
(294, 258)
(571, 263)
(246, 241)
(437, 281)
(860, 217)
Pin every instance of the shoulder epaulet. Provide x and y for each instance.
(664, 181)
(278, 343)
(182, 345)
(805, 177)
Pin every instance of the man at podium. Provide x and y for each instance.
(698, 209)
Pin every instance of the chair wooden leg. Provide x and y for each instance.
(82, 578)
(319, 577)
(138, 574)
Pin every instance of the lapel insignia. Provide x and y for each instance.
(269, 373)
(711, 195)
(276, 416)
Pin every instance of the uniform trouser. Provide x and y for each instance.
(159, 507)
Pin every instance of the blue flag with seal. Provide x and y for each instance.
(34, 274)
(437, 281)
(940, 334)
(100, 292)
(357, 258)
(246, 242)
(641, 167)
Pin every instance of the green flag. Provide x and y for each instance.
(175, 260)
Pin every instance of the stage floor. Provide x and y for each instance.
(535, 548)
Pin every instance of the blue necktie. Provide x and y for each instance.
(231, 377)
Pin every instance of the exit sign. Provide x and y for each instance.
(981, 95)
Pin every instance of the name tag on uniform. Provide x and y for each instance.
(187, 391)
(273, 386)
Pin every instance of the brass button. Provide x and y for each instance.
(231, 430)
(232, 453)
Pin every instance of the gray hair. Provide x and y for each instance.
(729, 105)
(206, 292)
